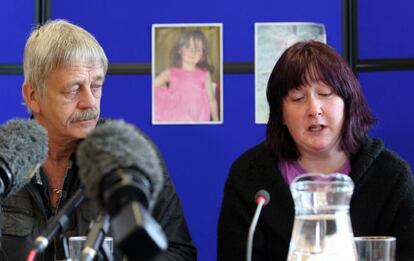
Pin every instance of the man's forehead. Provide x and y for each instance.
(93, 68)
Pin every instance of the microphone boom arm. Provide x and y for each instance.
(262, 199)
(59, 222)
(252, 228)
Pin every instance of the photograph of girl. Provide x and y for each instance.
(186, 84)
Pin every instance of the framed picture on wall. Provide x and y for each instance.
(271, 40)
(187, 77)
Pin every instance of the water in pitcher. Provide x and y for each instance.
(322, 227)
(319, 238)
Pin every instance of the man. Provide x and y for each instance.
(64, 71)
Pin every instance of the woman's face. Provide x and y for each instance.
(314, 116)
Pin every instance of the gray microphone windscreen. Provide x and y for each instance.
(23, 149)
(118, 145)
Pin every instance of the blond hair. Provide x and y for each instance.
(57, 44)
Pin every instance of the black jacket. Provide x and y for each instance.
(382, 203)
(25, 215)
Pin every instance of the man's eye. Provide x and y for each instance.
(96, 88)
(72, 91)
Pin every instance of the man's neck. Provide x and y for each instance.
(56, 166)
(61, 149)
(58, 157)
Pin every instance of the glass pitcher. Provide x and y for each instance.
(322, 227)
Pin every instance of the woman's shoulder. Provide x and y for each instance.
(253, 152)
(374, 153)
(390, 166)
(377, 149)
(392, 159)
(255, 157)
(255, 169)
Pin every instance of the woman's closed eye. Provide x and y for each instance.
(296, 95)
(325, 94)
(297, 98)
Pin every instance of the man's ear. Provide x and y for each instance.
(31, 97)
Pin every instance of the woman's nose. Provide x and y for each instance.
(314, 107)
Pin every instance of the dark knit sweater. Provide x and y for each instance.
(382, 203)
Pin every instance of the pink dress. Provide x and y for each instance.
(185, 99)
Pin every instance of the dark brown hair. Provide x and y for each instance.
(307, 62)
(186, 37)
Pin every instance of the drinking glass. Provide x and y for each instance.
(375, 248)
(77, 243)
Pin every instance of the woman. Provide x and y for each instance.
(318, 122)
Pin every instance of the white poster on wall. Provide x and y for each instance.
(271, 40)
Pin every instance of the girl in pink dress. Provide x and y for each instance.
(183, 93)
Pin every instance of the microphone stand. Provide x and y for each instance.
(262, 198)
(58, 223)
(96, 238)
(252, 229)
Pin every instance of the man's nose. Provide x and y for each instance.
(88, 100)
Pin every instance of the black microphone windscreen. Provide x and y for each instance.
(264, 194)
(23, 148)
(118, 145)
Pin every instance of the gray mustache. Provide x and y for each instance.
(87, 115)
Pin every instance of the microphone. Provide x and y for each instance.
(96, 236)
(262, 199)
(122, 171)
(59, 222)
(23, 149)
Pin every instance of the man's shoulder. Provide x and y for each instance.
(20, 198)
(18, 214)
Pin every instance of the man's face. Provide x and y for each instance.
(70, 107)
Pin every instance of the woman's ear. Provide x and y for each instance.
(31, 97)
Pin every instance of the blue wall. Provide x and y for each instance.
(198, 157)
